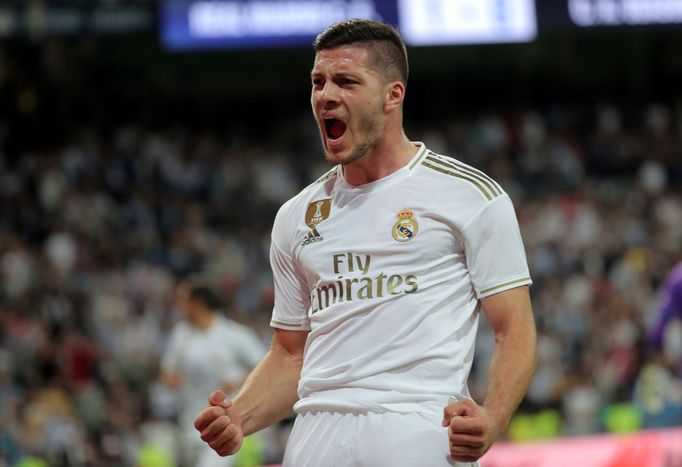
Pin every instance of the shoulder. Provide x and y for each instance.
(295, 208)
(181, 329)
(456, 176)
(233, 328)
(224, 325)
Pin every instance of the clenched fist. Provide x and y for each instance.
(471, 430)
(219, 425)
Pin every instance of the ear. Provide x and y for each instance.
(395, 95)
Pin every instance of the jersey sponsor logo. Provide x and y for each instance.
(406, 227)
(363, 283)
(317, 212)
(312, 237)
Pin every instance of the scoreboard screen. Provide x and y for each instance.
(220, 24)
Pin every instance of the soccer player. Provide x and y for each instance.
(381, 269)
(206, 351)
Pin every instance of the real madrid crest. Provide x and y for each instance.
(405, 227)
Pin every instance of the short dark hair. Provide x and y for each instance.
(385, 41)
(203, 293)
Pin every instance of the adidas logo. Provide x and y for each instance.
(312, 237)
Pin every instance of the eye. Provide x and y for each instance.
(347, 82)
(317, 82)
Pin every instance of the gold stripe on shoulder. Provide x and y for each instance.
(461, 168)
(469, 169)
(474, 182)
(290, 325)
(420, 155)
(499, 286)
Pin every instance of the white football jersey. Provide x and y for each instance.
(208, 358)
(387, 278)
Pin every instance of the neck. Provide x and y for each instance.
(204, 320)
(390, 154)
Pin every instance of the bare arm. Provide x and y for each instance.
(269, 392)
(474, 428)
(513, 362)
(267, 396)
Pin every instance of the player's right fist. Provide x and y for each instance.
(219, 425)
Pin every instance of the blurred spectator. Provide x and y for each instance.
(665, 335)
(658, 391)
(206, 352)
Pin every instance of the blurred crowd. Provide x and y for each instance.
(96, 232)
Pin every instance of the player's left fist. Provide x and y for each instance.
(471, 430)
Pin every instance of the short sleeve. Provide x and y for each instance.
(292, 294)
(494, 250)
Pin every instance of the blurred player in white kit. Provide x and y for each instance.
(381, 268)
(206, 351)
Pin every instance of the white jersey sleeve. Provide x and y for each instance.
(292, 294)
(494, 250)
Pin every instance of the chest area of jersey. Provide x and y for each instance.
(369, 236)
(203, 352)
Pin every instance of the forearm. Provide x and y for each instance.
(472, 429)
(511, 370)
(269, 392)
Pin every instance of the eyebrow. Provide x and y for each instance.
(340, 74)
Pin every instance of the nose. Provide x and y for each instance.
(328, 96)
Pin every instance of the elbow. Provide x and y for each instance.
(289, 345)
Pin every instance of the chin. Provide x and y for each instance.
(340, 159)
(335, 157)
(346, 156)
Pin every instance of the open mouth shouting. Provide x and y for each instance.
(334, 130)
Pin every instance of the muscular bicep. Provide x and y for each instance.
(289, 342)
(510, 309)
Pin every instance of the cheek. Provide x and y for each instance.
(373, 110)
